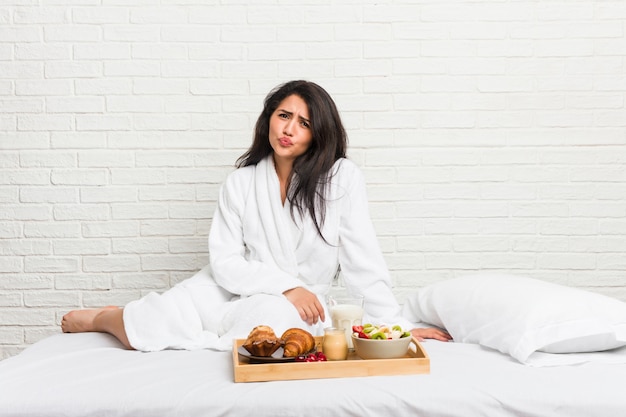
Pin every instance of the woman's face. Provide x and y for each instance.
(290, 129)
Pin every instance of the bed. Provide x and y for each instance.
(90, 374)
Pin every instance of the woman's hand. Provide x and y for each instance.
(431, 333)
(307, 304)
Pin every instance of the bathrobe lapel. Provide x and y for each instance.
(274, 217)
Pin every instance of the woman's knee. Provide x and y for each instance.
(263, 309)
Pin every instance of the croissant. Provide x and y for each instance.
(297, 342)
(262, 341)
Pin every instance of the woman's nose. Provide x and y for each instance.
(288, 127)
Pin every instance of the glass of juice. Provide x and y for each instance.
(334, 344)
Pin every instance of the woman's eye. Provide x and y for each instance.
(305, 124)
(283, 115)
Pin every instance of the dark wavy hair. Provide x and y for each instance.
(311, 171)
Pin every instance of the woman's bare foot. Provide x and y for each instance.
(79, 321)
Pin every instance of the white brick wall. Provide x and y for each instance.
(492, 134)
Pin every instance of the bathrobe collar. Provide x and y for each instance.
(275, 218)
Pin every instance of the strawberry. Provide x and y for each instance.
(357, 329)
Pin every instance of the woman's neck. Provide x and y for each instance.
(283, 171)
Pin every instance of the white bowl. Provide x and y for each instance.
(379, 348)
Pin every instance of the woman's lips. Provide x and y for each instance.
(285, 142)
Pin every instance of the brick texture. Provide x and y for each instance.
(492, 136)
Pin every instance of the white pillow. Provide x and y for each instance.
(521, 316)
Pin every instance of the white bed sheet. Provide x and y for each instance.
(90, 375)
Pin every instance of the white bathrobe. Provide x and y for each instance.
(257, 251)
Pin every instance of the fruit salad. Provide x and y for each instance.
(369, 331)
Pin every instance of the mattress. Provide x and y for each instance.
(90, 374)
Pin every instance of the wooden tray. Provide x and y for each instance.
(416, 361)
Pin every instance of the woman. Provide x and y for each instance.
(292, 213)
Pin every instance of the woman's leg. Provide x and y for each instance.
(187, 316)
(270, 310)
(105, 320)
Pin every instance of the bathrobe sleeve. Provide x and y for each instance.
(232, 266)
(363, 266)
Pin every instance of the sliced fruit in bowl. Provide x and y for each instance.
(380, 342)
